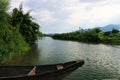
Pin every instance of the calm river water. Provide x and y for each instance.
(102, 62)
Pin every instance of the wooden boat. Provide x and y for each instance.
(38, 71)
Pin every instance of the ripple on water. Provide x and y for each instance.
(102, 62)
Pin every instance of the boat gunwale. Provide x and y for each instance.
(73, 63)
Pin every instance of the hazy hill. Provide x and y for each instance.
(110, 27)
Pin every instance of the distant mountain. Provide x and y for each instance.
(50, 34)
(110, 27)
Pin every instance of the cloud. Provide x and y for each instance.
(68, 15)
(46, 16)
(16, 3)
(89, 1)
(91, 14)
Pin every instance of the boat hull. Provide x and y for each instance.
(38, 71)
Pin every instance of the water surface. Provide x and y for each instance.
(101, 61)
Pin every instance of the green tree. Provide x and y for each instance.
(96, 30)
(27, 27)
(114, 31)
(11, 41)
(107, 33)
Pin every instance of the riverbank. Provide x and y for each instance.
(91, 36)
(17, 31)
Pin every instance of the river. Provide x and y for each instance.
(102, 62)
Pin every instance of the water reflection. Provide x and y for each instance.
(101, 61)
(30, 58)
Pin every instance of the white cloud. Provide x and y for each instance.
(46, 16)
(16, 3)
(91, 13)
(67, 14)
(89, 1)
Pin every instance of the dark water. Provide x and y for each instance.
(102, 62)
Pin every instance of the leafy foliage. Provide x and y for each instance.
(92, 36)
(27, 27)
(15, 31)
(115, 31)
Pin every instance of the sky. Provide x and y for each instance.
(59, 16)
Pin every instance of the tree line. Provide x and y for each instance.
(94, 35)
(18, 31)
